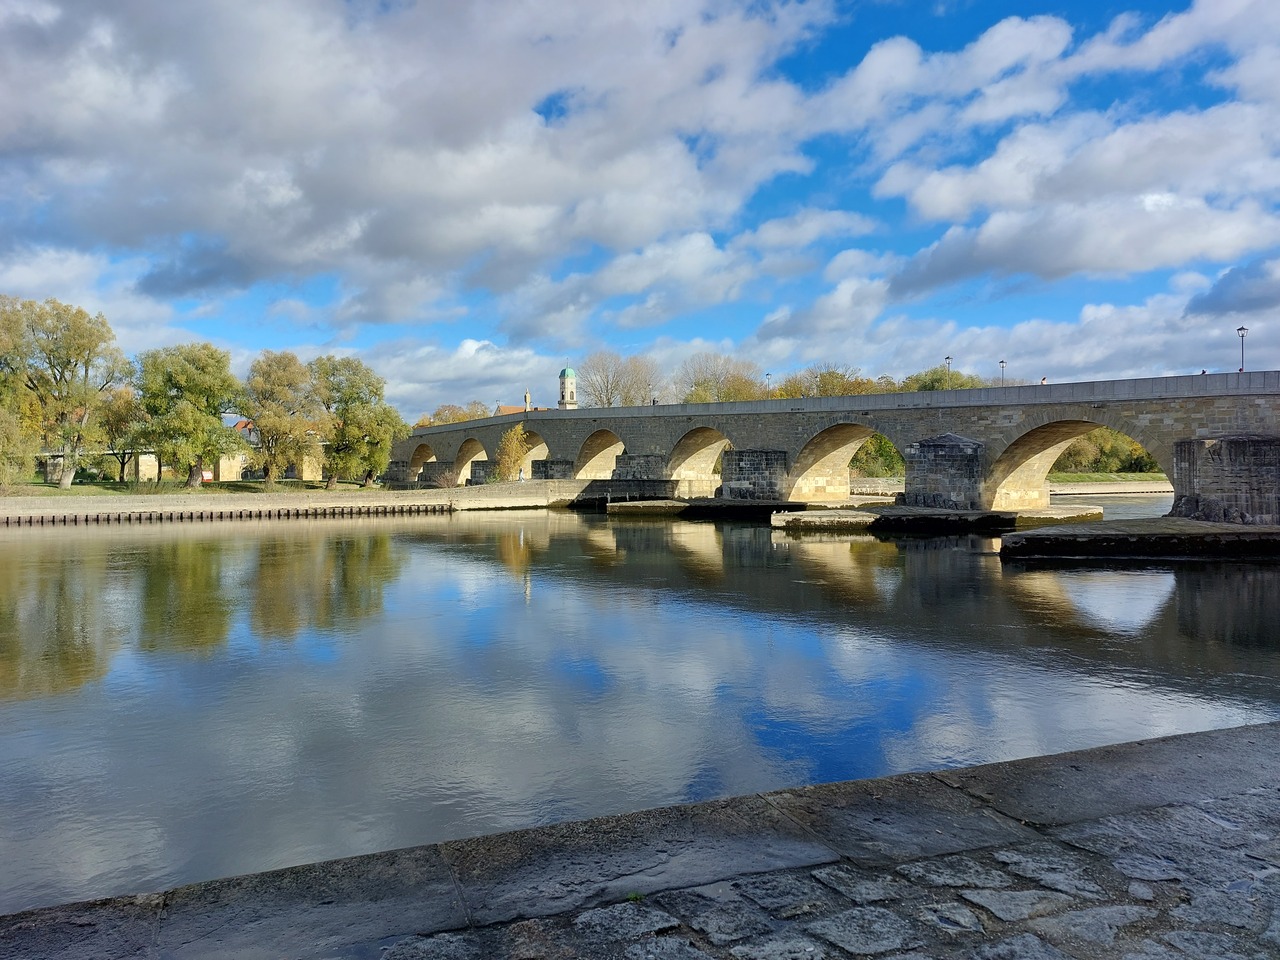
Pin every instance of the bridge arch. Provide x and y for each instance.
(422, 453)
(537, 451)
(821, 469)
(470, 451)
(1018, 476)
(693, 459)
(598, 455)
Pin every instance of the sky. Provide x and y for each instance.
(466, 196)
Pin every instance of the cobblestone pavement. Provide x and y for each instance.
(1162, 850)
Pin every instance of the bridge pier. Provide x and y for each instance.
(436, 474)
(1231, 479)
(551, 470)
(639, 466)
(753, 474)
(944, 472)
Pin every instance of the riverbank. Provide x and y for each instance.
(1163, 848)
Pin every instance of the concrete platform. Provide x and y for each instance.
(1166, 849)
(1150, 538)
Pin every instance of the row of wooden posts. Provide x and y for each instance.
(186, 516)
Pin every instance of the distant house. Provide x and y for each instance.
(503, 409)
(239, 466)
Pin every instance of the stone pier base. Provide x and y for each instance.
(1228, 479)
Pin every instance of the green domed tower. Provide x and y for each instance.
(568, 389)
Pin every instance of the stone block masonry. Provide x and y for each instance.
(1229, 479)
(552, 470)
(944, 472)
(753, 474)
(639, 466)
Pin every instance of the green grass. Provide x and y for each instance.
(1106, 477)
(101, 488)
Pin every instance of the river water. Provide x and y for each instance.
(178, 704)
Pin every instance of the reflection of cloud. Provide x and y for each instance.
(1121, 600)
(463, 705)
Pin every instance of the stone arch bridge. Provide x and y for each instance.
(1215, 435)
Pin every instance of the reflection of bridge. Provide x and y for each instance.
(988, 448)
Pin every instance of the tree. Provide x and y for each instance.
(715, 378)
(361, 426)
(121, 421)
(513, 447)
(942, 377)
(641, 381)
(877, 457)
(607, 379)
(185, 391)
(452, 413)
(1105, 451)
(599, 379)
(17, 449)
(68, 359)
(287, 417)
(826, 380)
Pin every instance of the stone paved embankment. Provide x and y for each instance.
(1167, 849)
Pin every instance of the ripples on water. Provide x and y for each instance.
(182, 704)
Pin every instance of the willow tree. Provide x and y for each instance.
(122, 423)
(288, 418)
(360, 427)
(68, 360)
(185, 392)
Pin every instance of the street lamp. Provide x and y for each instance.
(1002, 373)
(768, 384)
(947, 361)
(1242, 331)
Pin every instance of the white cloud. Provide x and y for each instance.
(1108, 236)
(805, 227)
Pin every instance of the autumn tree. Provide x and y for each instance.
(1105, 451)
(287, 417)
(513, 447)
(121, 421)
(360, 426)
(452, 413)
(68, 359)
(185, 391)
(715, 378)
(17, 449)
(942, 377)
(826, 380)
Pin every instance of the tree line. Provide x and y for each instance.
(70, 395)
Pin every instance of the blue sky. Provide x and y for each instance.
(466, 195)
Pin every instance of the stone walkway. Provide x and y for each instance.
(1162, 850)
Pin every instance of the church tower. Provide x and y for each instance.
(568, 389)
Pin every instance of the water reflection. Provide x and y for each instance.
(184, 703)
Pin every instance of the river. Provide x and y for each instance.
(178, 704)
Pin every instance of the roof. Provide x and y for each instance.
(567, 372)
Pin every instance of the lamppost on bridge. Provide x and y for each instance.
(1002, 373)
(1242, 331)
(947, 361)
